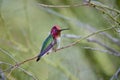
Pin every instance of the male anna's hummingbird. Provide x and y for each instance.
(52, 42)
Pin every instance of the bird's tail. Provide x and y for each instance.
(39, 57)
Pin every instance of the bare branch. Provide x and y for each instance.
(114, 40)
(70, 45)
(7, 53)
(94, 33)
(83, 25)
(60, 6)
(2, 76)
(18, 64)
(11, 69)
(85, 3)
(71, 36)
(115, 76)
(109, 49)
(97, 49)
(113, 51)
(103, 6)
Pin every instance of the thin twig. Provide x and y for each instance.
(96, 49)
(107, 14)
(7, 53)
(115, 76)
(11, 67)
(83, 25)
(71, 36)
(109, 49)
(105, 7)
(28, 73)
(18, 64)
(89, 3)
(94, 33)
(70, 45)
(85, 3)
(112, 51)
(2, 76)
(10, 72)
(60, 6)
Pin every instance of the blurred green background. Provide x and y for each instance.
(24, 25)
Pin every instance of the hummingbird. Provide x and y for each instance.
(52, 42)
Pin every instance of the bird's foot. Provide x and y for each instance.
(55, 50)
(47, 53)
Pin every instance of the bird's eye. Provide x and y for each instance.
(56, 31)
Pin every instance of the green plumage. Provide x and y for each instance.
(47, 45)
(52, 42)
(47, 42)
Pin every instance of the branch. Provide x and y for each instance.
(71, 36)
(100, 5)
(112, 51)
(114, 40)
(115, 76)
(97, 49)
(109, 15)
(11, 69)
(60, 6)
(109, 49)
(94, 33)
(17, 65)
(28, 73)
(70, 45)
(7, 53)
(2, 76)
(83, 25)
(85, 3)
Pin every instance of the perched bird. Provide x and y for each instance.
(52, 42)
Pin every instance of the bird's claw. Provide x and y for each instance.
(47, 53)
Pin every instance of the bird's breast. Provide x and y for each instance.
(58, 42)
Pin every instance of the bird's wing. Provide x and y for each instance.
(47, 49)
(47, 45)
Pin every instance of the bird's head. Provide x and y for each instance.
(56, 31)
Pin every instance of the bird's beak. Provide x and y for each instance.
(64, 29)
